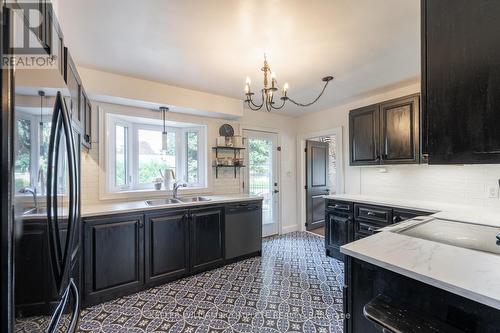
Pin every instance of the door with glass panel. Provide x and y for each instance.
(262, 176)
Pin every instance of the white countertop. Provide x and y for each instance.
(469, 273)
(134, 206)
(464, 213)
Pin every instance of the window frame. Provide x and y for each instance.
(132, 160)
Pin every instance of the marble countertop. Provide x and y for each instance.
(463, 213)
(134, 206)
(469, 273)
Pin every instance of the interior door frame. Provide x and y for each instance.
(244, 127)
(301, 169)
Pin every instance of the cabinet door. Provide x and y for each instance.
(399, 121)
(461, 80)
(363, 136)
(114, 253)
(338, 231)
(167, 246)
(207, 238)
(87, 120)
(75, 86)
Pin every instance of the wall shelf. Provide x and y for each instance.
(236, 168)
(236, 154)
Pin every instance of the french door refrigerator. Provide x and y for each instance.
(41, 188)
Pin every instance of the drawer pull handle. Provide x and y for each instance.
(370, 213)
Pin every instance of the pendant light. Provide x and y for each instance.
(164, 134)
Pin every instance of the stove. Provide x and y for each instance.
(461, 234)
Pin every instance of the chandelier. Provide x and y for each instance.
(269, 91)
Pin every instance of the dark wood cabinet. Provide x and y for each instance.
(87, 120)
(385, 133)
(461, 80)
(114, 256)
(74, 83)
(364, 145)
(206, 237)
(399, 131)
(167, 245)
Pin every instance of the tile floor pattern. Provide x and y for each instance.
(294, 287)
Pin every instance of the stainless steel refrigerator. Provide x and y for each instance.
(40, 183)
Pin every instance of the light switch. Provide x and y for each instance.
(492, 192)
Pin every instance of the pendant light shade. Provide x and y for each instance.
(164, 134)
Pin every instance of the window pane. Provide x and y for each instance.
(23, 154)
(151, 158)
(120, 155)
(192, 167)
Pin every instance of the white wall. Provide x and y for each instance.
(449, 184)
(226, 183)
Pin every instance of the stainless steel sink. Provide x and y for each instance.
(162, 202)
(194, 199)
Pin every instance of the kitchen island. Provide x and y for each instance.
(412, 284)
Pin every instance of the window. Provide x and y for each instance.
(32, 143)
(136, 158)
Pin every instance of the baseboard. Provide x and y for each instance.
(289, 228)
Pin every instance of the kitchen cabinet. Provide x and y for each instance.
(114, 256)
(35, 291)
(338, 227)
(416, 303)
(167, 245)
(461, 81)
(206, 237)
(364, 126)
(348, 221)
(123, 254)
(386, 133)
(74, 83)
(87, 120)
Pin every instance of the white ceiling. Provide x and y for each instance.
(213, 45)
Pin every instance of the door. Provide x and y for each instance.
(363, 136)
(114, 257)
(400, 130)
(167, 246)
(206, 238)
(317, 183)
(262, 176)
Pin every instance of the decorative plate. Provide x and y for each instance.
(226, 130)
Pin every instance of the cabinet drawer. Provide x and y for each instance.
(339, 206)
(373, 213)
(364, 229)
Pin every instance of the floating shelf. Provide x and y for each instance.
(236, 167)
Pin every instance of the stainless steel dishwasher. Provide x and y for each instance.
(243, 229)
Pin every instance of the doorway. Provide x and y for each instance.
(322, 174)
(262, 176)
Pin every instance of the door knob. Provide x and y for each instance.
(276, 191)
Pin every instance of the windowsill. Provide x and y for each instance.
(148, 193)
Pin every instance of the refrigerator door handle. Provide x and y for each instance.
(71, 291)
(61, 258)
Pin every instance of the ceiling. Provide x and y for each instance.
(212, 46)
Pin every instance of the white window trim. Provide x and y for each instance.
(106, 192)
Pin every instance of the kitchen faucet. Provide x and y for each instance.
(33, 193)
(176, 188)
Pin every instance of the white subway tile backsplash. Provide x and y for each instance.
(450, 184)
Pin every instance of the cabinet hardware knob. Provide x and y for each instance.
(370, 213)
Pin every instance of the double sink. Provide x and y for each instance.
(175, 201)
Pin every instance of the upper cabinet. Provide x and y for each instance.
(75, 89)
(386, 133)
(461, 81)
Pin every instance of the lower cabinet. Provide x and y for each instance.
(126, 253)
(167, 246)
(207, 238)
(114, 256)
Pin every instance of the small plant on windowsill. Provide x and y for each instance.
(158, 182)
